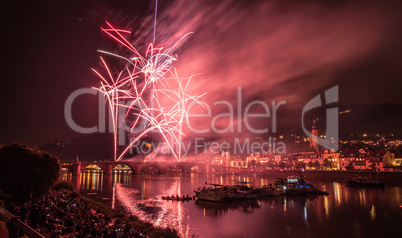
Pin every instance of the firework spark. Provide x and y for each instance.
(138, 88)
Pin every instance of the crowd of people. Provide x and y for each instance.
(59, 215)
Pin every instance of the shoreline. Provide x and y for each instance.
(389, 178)
(101, 208)
(337, 176)
(97, 209)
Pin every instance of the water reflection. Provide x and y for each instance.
(364, 209)
(143, 203)
(122, 177)
(326, 206)
(338, 193)
(65, 175)
(372, 213)
(91, 179)
(214, 208)
(362, 197)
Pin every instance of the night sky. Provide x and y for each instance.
(274, 51)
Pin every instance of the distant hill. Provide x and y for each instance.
(384, 119)
(88, 148)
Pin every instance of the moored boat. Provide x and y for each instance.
(297, 185)
(279, 187)
(364, 182)
(212, 192)
(293, 185)
(242, 191)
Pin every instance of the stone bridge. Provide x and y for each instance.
(108, 166)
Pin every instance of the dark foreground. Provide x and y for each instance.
(67, 214)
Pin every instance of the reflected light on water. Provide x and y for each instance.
(305, 212)
(95, 181)
(91, 180)
(88, 177)
(114, 197)
(143, 186)
(284, 204)
(362, 197)
(345, 194)
(326, 206)
(338, 193)
(372, 214)
(398, 195)
(82, 180)
(171, 213)
(65, 175)
(114, 178)
(141, 197)
(101, 182)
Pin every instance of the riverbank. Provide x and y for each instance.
(3, 226)
(65, 213)
(3, 230)
(146, 229)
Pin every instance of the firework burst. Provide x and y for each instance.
(137, 90)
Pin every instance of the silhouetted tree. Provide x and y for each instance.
(349, 167)
(270, 164)
(300, 165)
(26, 172)
(327, 164)
(315, 164)
(282, 165)
(254, 164)
(373, 166)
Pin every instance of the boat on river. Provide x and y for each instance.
(364, 182)
(297, 185)
(275, 189)
(292, 185)
(213, 192)
(279, 187)
(173, 198)
(243, 191)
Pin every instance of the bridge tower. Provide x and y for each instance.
(108, 168)
(76, 167)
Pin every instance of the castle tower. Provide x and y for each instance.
(225, 156)
(227, 162)
(314, 132)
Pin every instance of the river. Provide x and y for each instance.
(345, 212)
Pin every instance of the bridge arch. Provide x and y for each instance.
(175, 168)
(93, 168)
(65, 170)
(196, 168)
(150, 169)
(124, 168)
